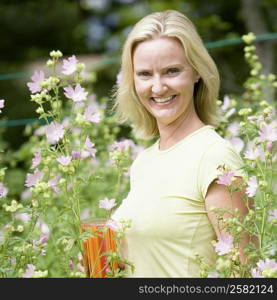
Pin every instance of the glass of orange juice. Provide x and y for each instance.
(101, 241)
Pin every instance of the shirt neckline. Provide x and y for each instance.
(186, 138)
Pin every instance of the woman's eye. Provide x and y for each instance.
(173, 70)
(144, 74)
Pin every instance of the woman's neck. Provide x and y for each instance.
(172, 133)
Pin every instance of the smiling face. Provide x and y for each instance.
(164, 80)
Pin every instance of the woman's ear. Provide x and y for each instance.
(197, 77)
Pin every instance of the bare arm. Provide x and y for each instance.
(219, 197)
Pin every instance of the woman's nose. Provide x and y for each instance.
(158, 86)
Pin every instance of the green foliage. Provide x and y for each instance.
(55, 204)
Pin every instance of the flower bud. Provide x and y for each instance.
(56, 104)
(269, 146)
(62, 181)
(234, 103)
(59, 53)
(34, 203)
(254, 72)
(56, 54)
(249, 38)
(245, 111)
(19, 228)
(242, 124)
(263, 184)
(262, 77)
(80, 119)
(40, 110)
(50, 63)
(203, 274)
(264, 103)
(271, 77)
(239, 229)
(44, 83)
(80, 67)
(9, 227)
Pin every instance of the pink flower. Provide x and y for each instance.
(92, 116)
(3, 190)
(267, 264)
(32, 179)
(2, 104)
(256, 273)
(122, 145)
(71, 265)
(37, 159)
(119, 77)
(54, 132)
(64, 160)
(224, 244)
(25, 194)
(226, 178)
(54, 182)
(78, 94)
(69, 187)
(252, 186)
(268, 133)
(85, 214)
(269, 146)
(43, 239)
(37, 78)
(136, 150)
(40, 130)
(89, 147)
(237, 143)
(261, 153)
(29, 271)
(23, 217)
(233, 128)
(69, 65)
(80, 268)
(113, 225)
(213, 275)
(107, 204)
(77, 131)
(230, 112)
(43, 227)
(226, 103)
(272, 215)
(76, 155)
(252, 154)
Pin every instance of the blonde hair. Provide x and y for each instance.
(173, 24)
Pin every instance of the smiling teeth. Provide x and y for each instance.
(161, 100)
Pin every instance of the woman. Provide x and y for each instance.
(168, 89)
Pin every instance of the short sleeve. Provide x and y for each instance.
(219, 154)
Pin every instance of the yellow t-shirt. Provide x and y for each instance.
(165, 204)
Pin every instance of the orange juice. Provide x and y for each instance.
(95, 247)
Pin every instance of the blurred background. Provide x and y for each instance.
(94, 31)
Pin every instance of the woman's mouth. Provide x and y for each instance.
(163, 100)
